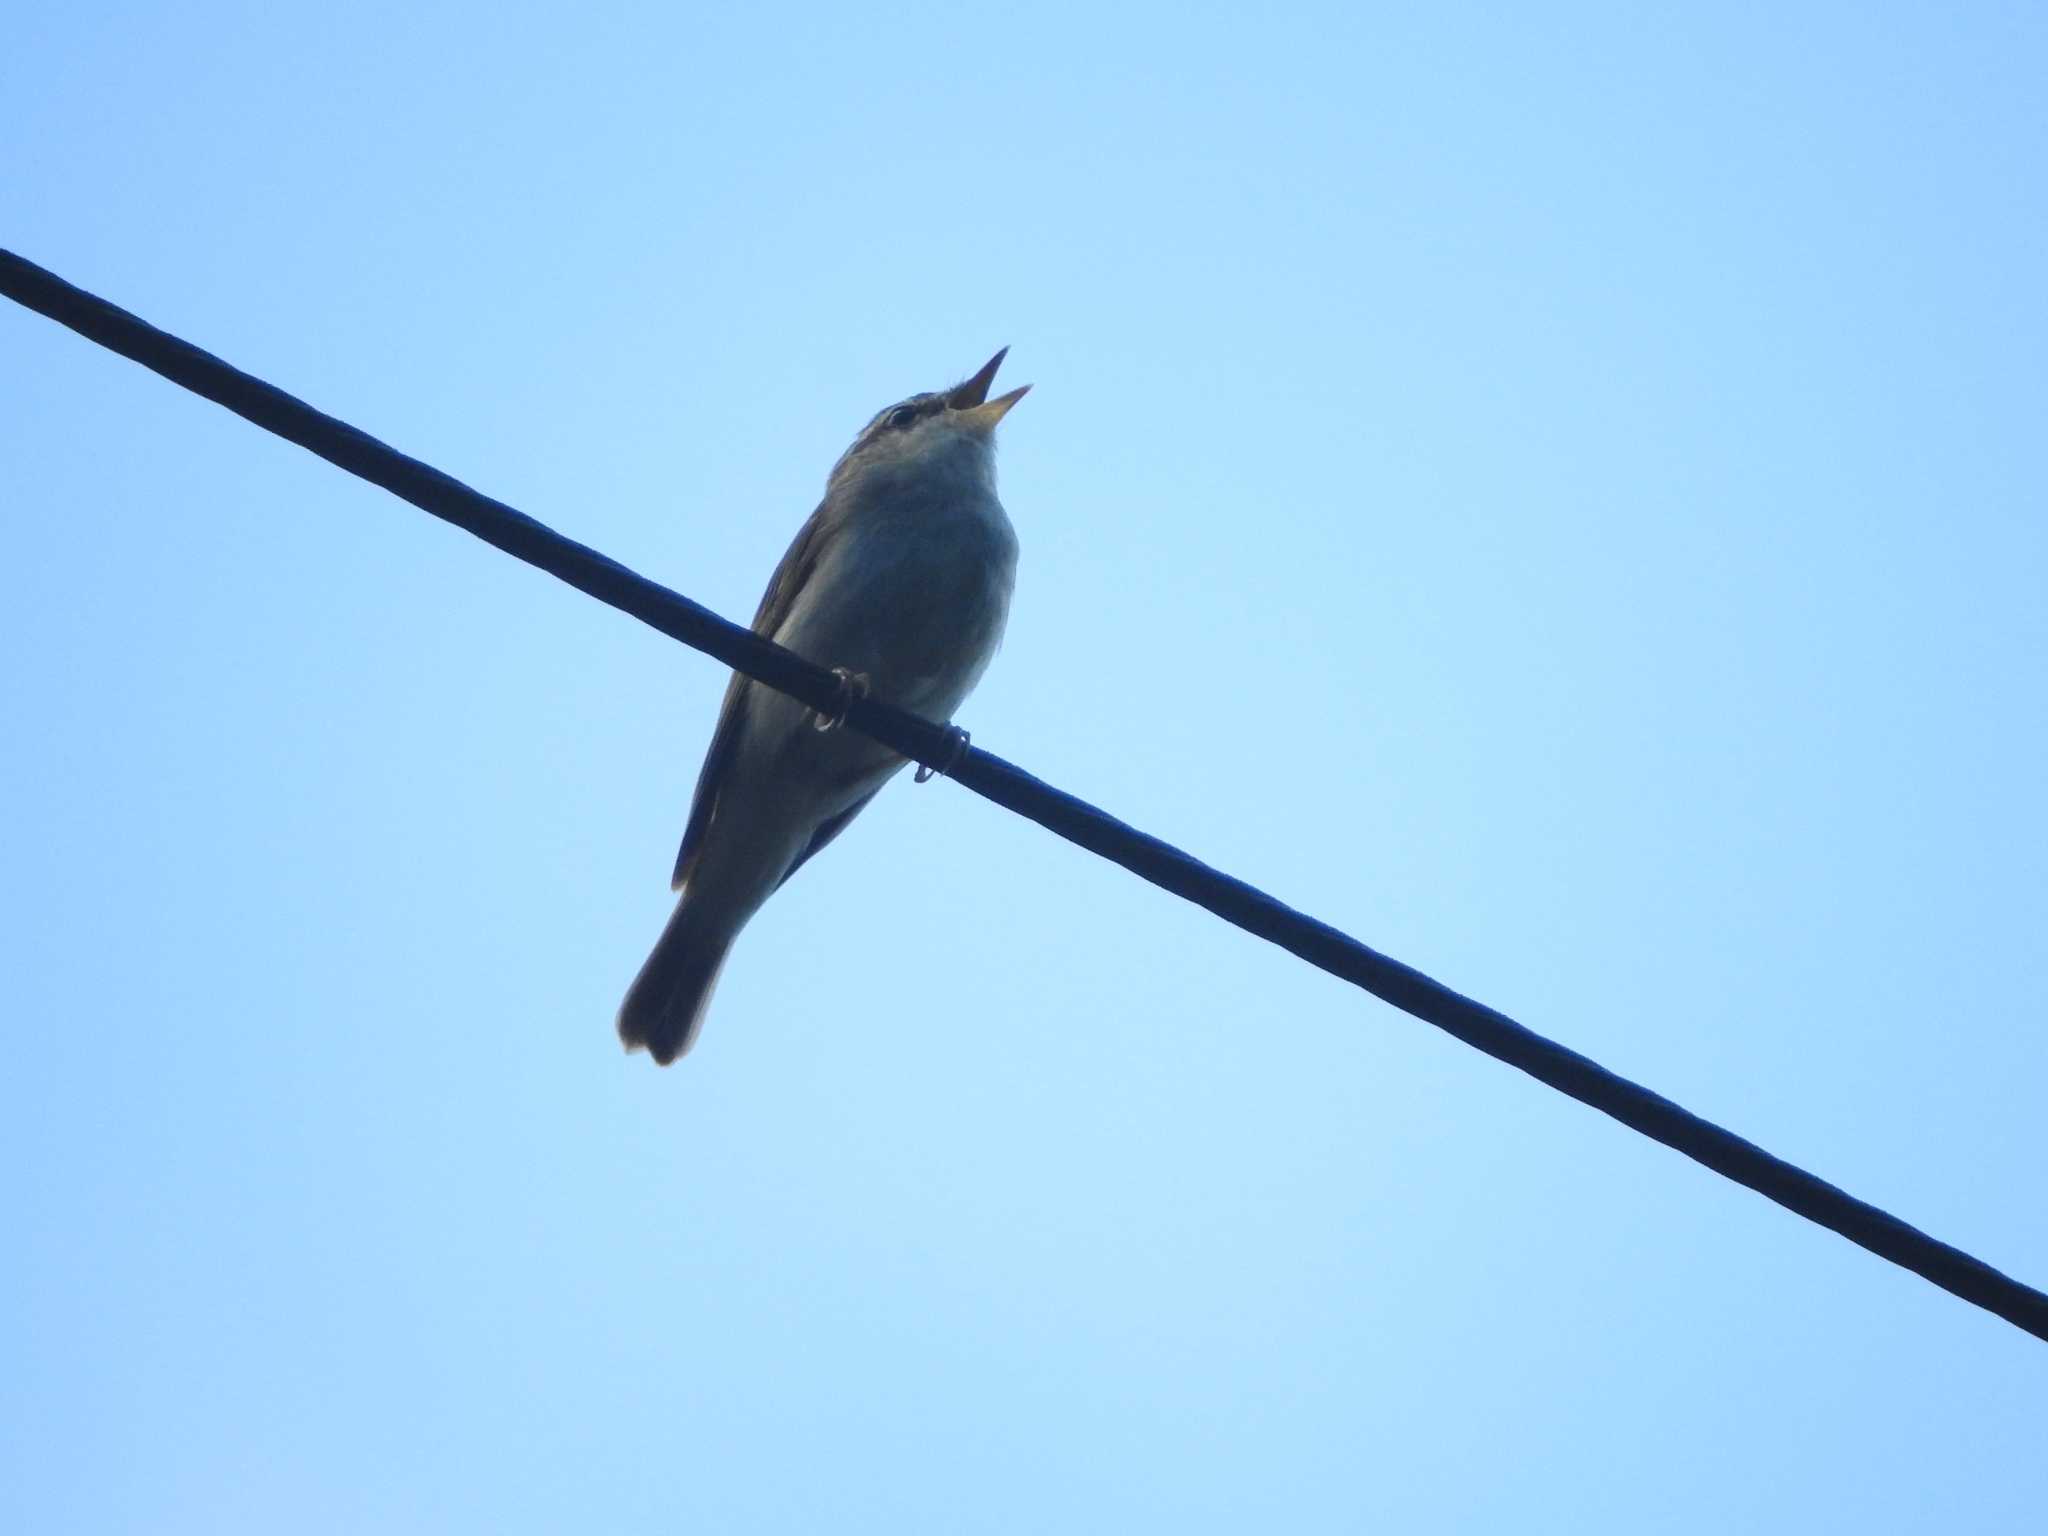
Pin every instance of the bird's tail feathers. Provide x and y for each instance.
(664, 1008)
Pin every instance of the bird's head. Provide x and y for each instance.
(944, 431)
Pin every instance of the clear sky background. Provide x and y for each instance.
(1559, 495)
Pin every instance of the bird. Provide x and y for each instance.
(899, 582)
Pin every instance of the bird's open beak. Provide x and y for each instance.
(972, 401)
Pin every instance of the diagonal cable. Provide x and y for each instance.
(1008, 785)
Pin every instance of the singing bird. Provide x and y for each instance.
(900, 581)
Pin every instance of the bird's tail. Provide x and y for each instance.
(664, 1008)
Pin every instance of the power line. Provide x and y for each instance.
(1008, 785)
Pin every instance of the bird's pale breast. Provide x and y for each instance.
(915, 596)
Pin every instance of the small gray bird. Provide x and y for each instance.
(900, 582)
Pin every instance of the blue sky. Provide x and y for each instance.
(1559, 495)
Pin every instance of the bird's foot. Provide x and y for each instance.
(852, 685)
(956, 748)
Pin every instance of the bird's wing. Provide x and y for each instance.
(798, 562)
(828, 829)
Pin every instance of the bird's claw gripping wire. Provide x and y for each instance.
(956, 749)
(852, 685)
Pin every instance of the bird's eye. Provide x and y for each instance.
(901, 417)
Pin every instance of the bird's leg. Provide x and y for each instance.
(852, 685)
(956, 749)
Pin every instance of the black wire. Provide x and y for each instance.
(1008, 785)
